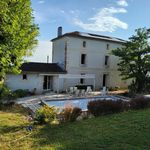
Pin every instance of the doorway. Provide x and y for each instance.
(47, 82)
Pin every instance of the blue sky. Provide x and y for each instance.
(117, 18)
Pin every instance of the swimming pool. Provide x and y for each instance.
(78, 102)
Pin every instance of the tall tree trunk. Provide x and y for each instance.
(140, 85)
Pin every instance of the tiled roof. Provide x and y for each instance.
(52, 68)
(91, 36)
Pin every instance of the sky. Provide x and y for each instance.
(118, 18)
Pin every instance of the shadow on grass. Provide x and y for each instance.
(129, 130)
(16, 108)
(11, 129)
(92, 134)
(69, 136)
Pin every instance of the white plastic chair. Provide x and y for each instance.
(71, 90)
(77, 92)
(88, 89)
(82, 92)
(75, 89)
(104, 91)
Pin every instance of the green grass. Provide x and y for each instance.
(124, 131)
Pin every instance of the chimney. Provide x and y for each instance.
(59, 33)
(47, 59)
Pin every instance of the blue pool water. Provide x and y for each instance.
(81, 103)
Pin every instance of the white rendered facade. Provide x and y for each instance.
(67, 52)
(83, 59)
(33, 82)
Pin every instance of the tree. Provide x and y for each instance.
(135, 59)
(17, 34)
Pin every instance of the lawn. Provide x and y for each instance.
(124, 131)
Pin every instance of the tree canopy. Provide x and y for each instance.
(18, 34)
(135, 59)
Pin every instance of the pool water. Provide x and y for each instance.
(81, 103)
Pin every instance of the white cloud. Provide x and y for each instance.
(41, 2)
(104, 21)
(62, 11)
(122, 3)
(39, 17)
(43, 49)
(72, 11)
(76, 11)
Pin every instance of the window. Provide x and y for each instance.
(24, 76)
(84, 43)
(107, 47)
(106, 60)
(104, 80)
(82, 74)
(83, 59)
(81, 81)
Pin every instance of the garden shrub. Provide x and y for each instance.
(114, 88)
(5, 93)
(65, 114)
(101, 107)
(75, 113)
(46, 114)
(70, 113)
(21, 93)
(140, 102)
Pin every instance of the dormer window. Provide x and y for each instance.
(84, 43)
(107, 46)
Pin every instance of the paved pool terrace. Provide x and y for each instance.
(79, 102)
(61, 100)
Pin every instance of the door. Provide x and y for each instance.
(47, 82)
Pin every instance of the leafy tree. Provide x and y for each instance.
(17, 34)
(135, 59)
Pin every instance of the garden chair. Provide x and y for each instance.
(71, 91)
(75, 88)
(82, 92)
(104, 91)
(77, 93)
(88, 89)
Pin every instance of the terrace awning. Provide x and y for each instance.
(76, 76)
